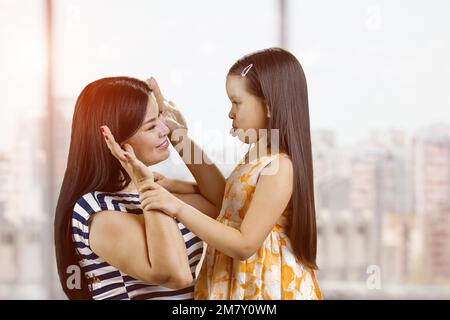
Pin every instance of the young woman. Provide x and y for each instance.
(123, 250)
(263, 243)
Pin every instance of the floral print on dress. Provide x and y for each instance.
(273, 272)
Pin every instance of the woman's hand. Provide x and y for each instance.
(138, 172)
(155, 197)
(173, 118)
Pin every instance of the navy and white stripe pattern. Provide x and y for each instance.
(106, 281)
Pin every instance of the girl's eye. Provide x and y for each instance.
(151, 128)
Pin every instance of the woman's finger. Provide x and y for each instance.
(113, 146)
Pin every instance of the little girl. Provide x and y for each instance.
(263, 243)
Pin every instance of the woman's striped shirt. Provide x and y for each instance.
(106, 281)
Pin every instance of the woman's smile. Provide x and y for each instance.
(164, 145)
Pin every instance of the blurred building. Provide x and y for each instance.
(344, 242)
(437, 245)
(431, 149)
(331, 167)
(22, 222)
(431, 156)
(401, 247)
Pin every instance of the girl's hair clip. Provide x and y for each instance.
(246, 70)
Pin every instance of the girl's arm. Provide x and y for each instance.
(270, 199)
(200, 203)
(210, 181)
(188, 192)
(175, 185)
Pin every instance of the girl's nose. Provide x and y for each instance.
(231, 114)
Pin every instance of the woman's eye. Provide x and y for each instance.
(151, 128)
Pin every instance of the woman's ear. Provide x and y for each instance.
(268, 111)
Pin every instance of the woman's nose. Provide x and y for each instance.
(164, 130)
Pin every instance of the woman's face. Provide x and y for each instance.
(248, 112)
(150, 142)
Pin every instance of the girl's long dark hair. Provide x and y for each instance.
(278, 78)
(121, 104)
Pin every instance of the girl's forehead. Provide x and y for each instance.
(152, 106)
(235, 85)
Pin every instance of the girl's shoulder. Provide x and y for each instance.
(250, 171)
(275, 164)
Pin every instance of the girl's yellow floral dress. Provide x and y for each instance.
(273, 272)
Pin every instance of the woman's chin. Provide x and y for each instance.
(158, 156)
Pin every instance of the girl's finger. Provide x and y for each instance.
(128, 148)
(156, 91)
(149, 186)
(151, 206)
(145, 195)
(140, 171)
(146, 185)
(157, 176)
(145, 202)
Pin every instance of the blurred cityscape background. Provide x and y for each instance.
(378, 75)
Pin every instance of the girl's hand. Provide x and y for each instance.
(138, 172)
(164, 182)
(155, 197)
(173, 118)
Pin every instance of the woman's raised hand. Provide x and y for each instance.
(152, 195)
(173, 118)
(139, 173)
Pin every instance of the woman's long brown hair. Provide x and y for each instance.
(278, 78)
(121, 104)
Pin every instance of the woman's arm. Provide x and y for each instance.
(152, 250)
(148, 247)
(270, 199)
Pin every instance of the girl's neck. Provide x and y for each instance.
(260, 149)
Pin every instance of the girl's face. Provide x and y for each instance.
(150, 142)
(248, 112)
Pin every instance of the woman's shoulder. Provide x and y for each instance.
(96, 201)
